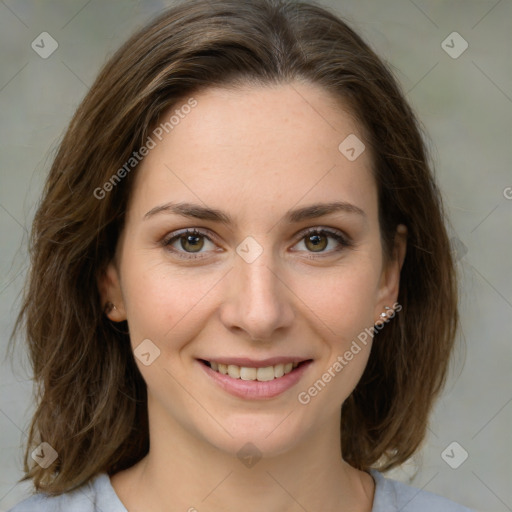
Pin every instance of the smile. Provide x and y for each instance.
(260, 380)
(260, 374)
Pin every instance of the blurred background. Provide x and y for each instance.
(453, 59)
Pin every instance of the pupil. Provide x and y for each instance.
(317, 242)
(193, 241)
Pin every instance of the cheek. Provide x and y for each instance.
(162, 302)
(343, 299)
(343, 305)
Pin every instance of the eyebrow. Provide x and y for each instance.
(197, 211)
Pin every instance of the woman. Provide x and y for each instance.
(253, 300)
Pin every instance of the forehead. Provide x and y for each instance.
(255, 146)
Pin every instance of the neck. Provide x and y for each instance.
(183, 472)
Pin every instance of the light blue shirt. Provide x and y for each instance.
(99, 496)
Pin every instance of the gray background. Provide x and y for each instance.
(465, 104)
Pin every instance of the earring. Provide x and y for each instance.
(383, 315)
(109, 306)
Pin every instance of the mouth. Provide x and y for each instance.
(255, 379)
(260, 373)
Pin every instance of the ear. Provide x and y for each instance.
(109, 287)
(390, 278)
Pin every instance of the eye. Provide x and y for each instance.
(317, 240)
(190, 241)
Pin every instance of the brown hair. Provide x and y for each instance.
(91, 398)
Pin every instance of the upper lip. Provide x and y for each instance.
(256, 363)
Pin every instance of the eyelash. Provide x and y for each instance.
(342, 240)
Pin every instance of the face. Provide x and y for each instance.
(263, 279)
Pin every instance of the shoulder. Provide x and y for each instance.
(97, 495)
(391, 495)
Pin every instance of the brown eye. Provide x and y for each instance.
(192, 243)
(316, 242)
(324, 241)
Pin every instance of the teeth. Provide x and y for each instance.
(248, 373)
(278, 370)
(264, 374)
(260, 374)
(234, 371)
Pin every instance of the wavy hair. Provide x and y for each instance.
(91, 401)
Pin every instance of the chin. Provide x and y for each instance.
(258, 434)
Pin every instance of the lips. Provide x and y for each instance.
(256, 380)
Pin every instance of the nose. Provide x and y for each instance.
(258, 300)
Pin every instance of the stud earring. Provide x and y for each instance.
(384, 315)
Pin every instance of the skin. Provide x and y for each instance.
(254, 152)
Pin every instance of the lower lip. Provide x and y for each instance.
(253, 389)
